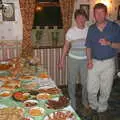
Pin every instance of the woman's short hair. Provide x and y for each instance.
(80, 12)
(100, 6)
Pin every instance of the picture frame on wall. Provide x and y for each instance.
(8, 12)
(118, 13)
(86, 8)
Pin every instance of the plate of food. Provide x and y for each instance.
(5, 94)
(52, 91)
(61, 103)
(30, 103)
(11, 113)
(4, 66)
(61, 115)
(36, 111)
(27, 77)
(10, 85)
(43, 75)
(13, 83)
(43, 96)
(30, 86)
(21, 96)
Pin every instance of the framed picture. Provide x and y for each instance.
(118, 14)
(8, 12)
(86, 8)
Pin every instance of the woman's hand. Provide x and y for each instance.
(61, 64)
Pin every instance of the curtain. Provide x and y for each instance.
(67, 8)
(27, 11)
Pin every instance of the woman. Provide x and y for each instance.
(75, 46)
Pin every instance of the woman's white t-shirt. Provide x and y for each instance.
(77, 38)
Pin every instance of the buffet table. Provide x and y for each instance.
(36, 97)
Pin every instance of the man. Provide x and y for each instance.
(103, 41)
(75, 45)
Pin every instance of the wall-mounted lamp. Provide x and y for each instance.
(39, 8)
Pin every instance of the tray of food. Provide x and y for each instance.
(62, 102)
(61, 115)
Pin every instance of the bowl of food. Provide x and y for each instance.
(30, 103)
(36, 111)
(5, 94)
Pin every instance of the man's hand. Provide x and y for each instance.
(89, 64)
(104, 42)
